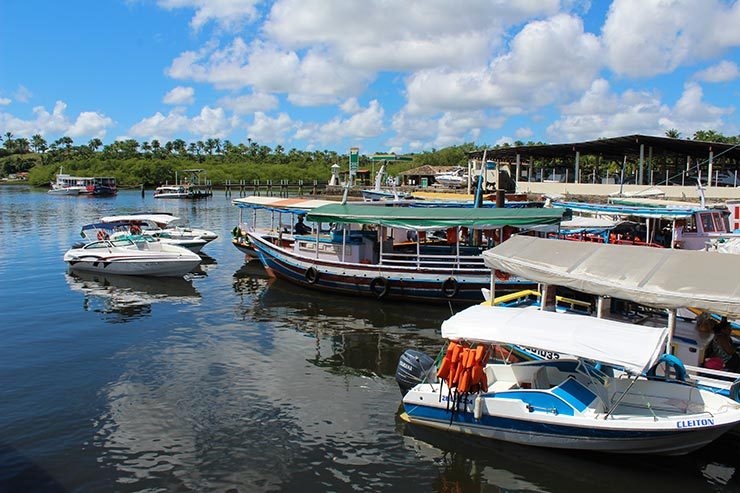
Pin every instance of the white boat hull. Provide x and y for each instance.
(155, 268)
(148, 259)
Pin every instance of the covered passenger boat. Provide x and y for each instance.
(278, 228)
(401, 253)
(577, 403)
(663, 279)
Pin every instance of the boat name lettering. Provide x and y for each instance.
(693, 423)
(543, 354)
(467, 400)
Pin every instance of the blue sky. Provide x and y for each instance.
(383, 75)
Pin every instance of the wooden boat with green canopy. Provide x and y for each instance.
(400, 253)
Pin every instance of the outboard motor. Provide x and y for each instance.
(414, 367)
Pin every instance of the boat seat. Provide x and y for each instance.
(505, 381)
(540, 379)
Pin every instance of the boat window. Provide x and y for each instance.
(719, 223)
(706, 222)
(122, 242)
(690, 225)
(96, 244)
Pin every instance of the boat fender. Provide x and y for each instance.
(379, 287)
(235, 232)
(478, 407)
(450, 287)
(312, 275)
(671, 362)
(735, 390)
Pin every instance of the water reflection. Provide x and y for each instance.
(207, 264)
(129, 296)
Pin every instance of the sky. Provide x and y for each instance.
(383, 75)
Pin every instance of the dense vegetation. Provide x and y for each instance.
(153, 163)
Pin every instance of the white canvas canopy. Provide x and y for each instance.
(280, 203)
(632, 347)
(662, 278)
(156, 218)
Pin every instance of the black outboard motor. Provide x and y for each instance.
(414, 367)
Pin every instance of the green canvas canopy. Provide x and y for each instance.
(433, 217)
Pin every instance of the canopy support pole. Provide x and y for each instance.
(671, 329)
(418, 250)
(601, 306)
(344, 241)
(317, 239)
(547, 302)
(380, 237)
(254, 219)
(457, 247)
(493, 287)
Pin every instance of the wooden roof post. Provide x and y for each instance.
(640, 180)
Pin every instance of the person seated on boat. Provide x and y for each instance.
(722, 346)
(300, 227)
(135, 229)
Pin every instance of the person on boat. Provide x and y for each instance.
(300, 227)
(722, 346)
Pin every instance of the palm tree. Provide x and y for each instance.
(672, 133)
(94, 144)
(38, 143)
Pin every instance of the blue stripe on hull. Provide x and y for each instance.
(469, 292)
(515, 425)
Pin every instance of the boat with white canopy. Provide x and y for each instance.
(160, 224)
(572, 404)
(664, 279)
(402, 253)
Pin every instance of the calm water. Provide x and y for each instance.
(228, 382)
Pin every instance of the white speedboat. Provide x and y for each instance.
(160, 222)
(598, 401)
(64, 191)
(171, 192)
(147, 257)
(455, 178)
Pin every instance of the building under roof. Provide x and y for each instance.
(663, 155)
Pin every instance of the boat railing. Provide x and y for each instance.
(471, 263)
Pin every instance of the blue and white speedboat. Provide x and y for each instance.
(597, 401)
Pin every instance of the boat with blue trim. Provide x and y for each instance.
(399, 253)
(597, 401)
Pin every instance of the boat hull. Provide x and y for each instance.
(403, 284)
(127, 267)
(549, 435)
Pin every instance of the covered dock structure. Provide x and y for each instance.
(631, 160)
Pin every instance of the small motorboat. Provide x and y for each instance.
(121, 230)
(64, 191)
(160, 222)
(600, 400)
(124, 256)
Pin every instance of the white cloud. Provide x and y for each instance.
(312, 80)
(22, 94)
(228, 14)
(400, 34)
(603, 113)
(249, 103)
(270, 130)
(724, 71)
(548, 60)
(180, 95)
(90, 123)
(363, 124)
(449, 128)
(86, 124)
(649, 37)
(523, 133)
(504, 140)
(4, 101)
(209, 123)
(350, 106)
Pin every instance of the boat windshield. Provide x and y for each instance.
(97, 244)
(122, 242)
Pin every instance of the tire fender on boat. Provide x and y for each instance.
(379, 287)
(312, 275)
(671, 362)
(450, 287)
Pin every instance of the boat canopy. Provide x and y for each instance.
(668, 213)
(300, 206)
(155, 218)
(657, 277)
(632, 347)
(431, 218)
